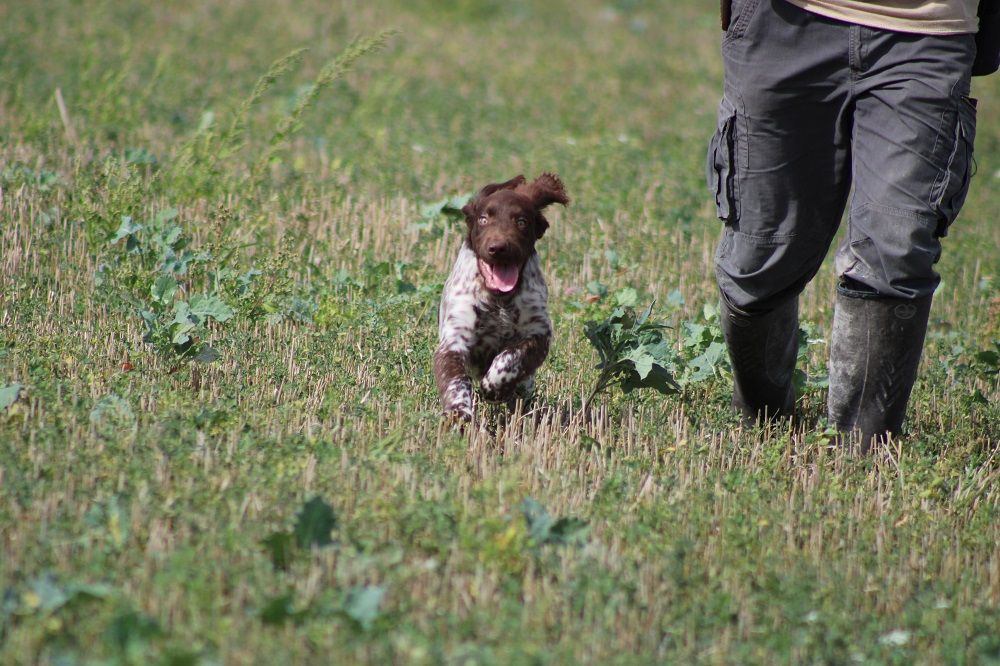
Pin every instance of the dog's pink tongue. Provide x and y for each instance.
(501, 278)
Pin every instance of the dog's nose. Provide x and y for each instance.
(496, 248)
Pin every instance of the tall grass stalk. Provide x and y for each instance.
(331, 72)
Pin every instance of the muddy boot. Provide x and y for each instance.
(874, 353)
(762, 349)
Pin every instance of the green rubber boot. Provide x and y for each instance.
(762, 349)
(874, 353)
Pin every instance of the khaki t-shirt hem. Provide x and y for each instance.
(835, 9)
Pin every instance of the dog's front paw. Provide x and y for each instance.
(457, 399)
(461, 413)
(495, 393)
(457, 419)
(499, 383)
(497, 387)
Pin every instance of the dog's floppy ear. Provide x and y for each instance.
(544, 190)
(496, 187)
(471, 209)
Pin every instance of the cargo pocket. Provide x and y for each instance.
(890, 250)
(742, 12)
(720, 167)
(952, 184)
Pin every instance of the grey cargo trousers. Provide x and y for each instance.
(812, 105)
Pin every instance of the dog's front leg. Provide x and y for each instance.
(453, 383)
(513, 365)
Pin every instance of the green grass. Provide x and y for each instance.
(137, 485)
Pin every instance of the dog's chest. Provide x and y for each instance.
(481, 324)
(496, 328)
(497, 324)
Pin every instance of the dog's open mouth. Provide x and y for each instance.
(500, 277)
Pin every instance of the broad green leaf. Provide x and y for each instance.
(314, 523)
(182, 325)
(707, 363)
(648, 354)
(182, 313)
(125, 229)
(662, 380)
(625, 319)
(342, 278)
(207, 355)
(9, 395)
(280, 609)
(149, 319)
(45, 595)
(279, 547)
(538, 520)
(112, 416)
(141, 156)
(165, 215)
(177, 262)
(977, 398)
(695, 335)
(642, 362)
(675, 299)
(659, 379)
(599, 335)
(210, 306)
(989, 358)
(645, 316)
(88, 591)
(180, 332)
(568, 531)
(363, 604)
(627, 297)
(457, 202)
(130, 632)
(163, 289)
(450, 207)
(168, 236)
(660, 350)
(545, 530)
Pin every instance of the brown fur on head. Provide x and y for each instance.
(505, 220)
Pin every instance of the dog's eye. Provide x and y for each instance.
(521, 223)
(483, 219)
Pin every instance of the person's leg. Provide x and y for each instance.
(779, 167)
(913, 134)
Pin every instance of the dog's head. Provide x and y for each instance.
(505, 220)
